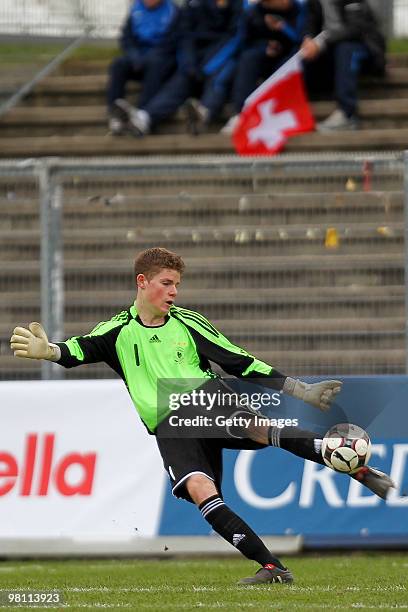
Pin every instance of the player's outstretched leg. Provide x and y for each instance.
(235, 531)
(307, 445)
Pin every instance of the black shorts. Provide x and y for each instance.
(198, 450)
(184, 457)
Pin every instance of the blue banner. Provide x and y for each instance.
(278, 493)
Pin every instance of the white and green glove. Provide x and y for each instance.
(320, 395)
(32, 343)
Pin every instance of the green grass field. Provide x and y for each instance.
(327, 582)
(17, 52)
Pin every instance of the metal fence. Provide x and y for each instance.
(71, 17)
(62, 18)
(400, 20)
(298, 259)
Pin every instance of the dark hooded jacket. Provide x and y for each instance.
(347, 20)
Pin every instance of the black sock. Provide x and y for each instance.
(233, 529)
(300, 442)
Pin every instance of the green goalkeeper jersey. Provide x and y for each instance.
(153, 361)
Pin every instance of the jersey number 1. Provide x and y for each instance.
(137, 355)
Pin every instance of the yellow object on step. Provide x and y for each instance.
(332, 239)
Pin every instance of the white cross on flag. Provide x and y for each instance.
(275, 111)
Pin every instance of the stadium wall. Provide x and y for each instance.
(80, 475)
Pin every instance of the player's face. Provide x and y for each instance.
(161, 290)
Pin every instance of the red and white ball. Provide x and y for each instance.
(346, 448)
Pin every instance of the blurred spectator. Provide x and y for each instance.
(272, 33)
(148, 42)
(349, 41)
(210, 40)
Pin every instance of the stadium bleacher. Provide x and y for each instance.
(66, 115)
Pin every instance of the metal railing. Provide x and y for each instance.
(400, 18)
(62, 18)
(300, 259)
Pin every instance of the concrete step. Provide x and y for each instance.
(73, 66)
(123, 209)
(326, 341)
(215, 241)
(198, 265)
(218, 296)
(21, 369)
(256, 343)
(12, 368)
(107, 145)
(267, 248)
(250, 325)
(326, 362)
(205, 233)
(359, 140)
(319, 363)
(290, 327)
(247, 209)
(165, 177)
(307, 363)
(254, 339)
(397, 60)
(338, 270)
(183, 144)
(92, 120)
(79, 85)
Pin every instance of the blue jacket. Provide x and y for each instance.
(257, 32)
(211, 35)
(146, 29)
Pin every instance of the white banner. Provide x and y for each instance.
(75, 461)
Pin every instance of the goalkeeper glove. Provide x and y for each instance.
(320, 395)
(32, 343)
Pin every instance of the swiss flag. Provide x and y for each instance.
(275, 111)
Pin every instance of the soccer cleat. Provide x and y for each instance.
(378, 482)
(269, 576)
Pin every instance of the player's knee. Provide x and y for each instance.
(200, 488)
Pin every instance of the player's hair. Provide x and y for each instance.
(151, 261)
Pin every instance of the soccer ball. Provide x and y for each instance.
(346, 448)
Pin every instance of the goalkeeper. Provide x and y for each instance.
(154, 342)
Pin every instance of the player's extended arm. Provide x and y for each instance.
(32, 343)
(238, 362)
(320, 395)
